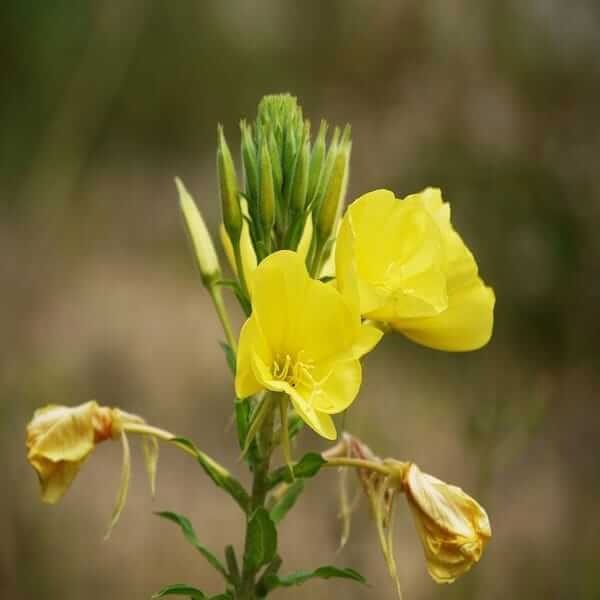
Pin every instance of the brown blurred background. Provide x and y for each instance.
(103, 103)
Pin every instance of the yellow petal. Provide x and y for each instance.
(251, 342)
(338, 388)
(465, 325)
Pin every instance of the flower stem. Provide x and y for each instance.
(359, 463)
(217, 298)
(260, 487)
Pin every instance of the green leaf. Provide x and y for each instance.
(232, 565)
(229, 356)
(220, 476)
(190, 536)
(261, 541)
(308, 466)
(287, 501)
(180, 589)
(299, 577)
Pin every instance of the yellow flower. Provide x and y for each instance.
(452, 526)
(304, 339)
(413, 271)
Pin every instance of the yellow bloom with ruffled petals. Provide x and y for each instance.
(304, 338)
(413, 271)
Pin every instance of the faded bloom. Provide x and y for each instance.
(413, 271)
(60, 438)
(304, 339)
(452, 526)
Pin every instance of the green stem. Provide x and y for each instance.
(217, 298)
(260, 488)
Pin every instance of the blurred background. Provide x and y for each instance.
(103, 103)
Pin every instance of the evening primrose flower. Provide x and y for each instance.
(413, 271)
(304, 338)
(452, 526)
(61, 438)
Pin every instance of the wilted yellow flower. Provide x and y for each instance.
(413, 271)
(60, 438)
(452, 526)
(304, 339)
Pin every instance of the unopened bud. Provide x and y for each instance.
(335, 192)
(299, 184)
(204, 250)
(267, 193)
(250, 162)
(228, 189)
(317, 161)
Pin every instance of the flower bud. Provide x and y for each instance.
(452, 526)
(204, 250)
(267, 198)
(335, 192)
(316, 163)
(228, 190)
(250, 162)
(299, 184)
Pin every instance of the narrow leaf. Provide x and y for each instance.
(287, 501)
(180, 589)
(327, 572)
(123, 486)
(190, 536)
(261, 541)
(308, 466)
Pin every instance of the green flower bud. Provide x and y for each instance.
(333, 200)
(250, 162)
(204, 250)
(316, 163)
(267, 194)
(228, 190)
(299, 184)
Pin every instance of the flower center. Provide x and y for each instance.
(295, 371)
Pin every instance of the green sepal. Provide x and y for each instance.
(300, 577)
(261, 540)
(181, 589)
(190, 535)
(308, 466)
(220, 476)
(287, 501)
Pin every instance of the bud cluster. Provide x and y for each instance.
(292, 186)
